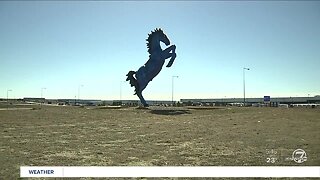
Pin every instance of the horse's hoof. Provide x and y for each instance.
(170, 63)
(146, 105)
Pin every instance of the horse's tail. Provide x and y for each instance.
(133, 81)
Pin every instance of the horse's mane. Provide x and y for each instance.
(149, 39)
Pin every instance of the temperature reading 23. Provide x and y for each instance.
(271, 160)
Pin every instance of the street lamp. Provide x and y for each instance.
(121, 90)
(172, 87)
(8, 98)
(81, 85)
(42, 91)
(244, 86)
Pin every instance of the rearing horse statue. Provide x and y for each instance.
(153, 66)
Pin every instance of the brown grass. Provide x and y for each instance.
(73, 136)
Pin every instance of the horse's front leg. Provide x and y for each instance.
(167, 54)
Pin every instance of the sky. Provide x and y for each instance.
(85, 49)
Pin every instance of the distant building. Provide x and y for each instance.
(33, 100)
(239, 101)
(273, 101)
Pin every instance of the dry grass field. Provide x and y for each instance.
(158, 136)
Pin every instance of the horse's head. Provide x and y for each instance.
(163, 38)
(155, 37)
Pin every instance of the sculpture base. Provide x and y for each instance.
(142, 107)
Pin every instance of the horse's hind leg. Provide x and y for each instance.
(139, 94)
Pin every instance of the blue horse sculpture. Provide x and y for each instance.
(153, 66)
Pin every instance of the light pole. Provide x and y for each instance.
(244, 86)
(42, 92)
(8, 98)
(173, 87)
(81, 85)
(121, 91)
